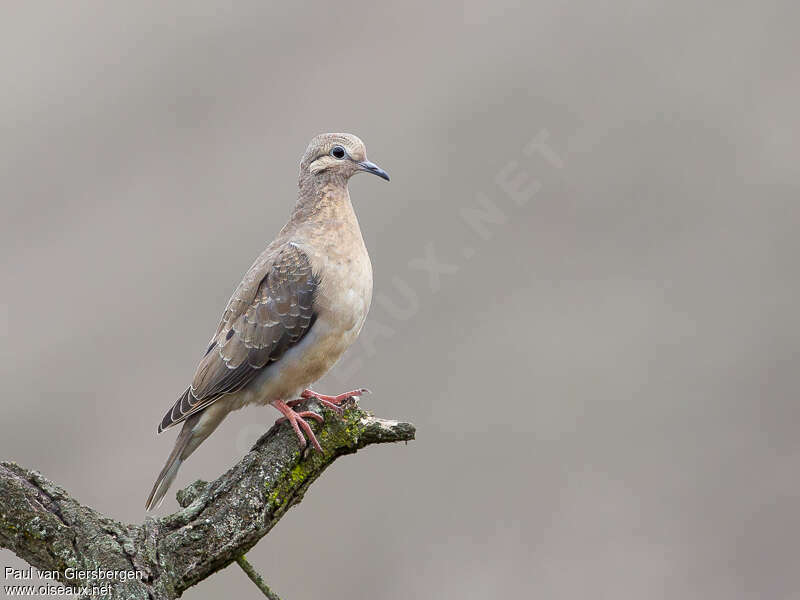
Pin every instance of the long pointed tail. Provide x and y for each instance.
(184, 445)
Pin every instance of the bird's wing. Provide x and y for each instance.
(270, 311)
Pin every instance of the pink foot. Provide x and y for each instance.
(331, 402)
(297, 419)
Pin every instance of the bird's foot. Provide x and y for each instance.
(332, 402)
(297, 419)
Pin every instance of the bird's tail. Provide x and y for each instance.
(185, 444)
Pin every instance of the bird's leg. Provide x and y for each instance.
(331, 402)
(297, 419)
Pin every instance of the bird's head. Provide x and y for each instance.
(337, 157)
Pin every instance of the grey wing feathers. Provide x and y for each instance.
(266, 316)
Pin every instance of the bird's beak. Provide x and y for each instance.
(371, 167)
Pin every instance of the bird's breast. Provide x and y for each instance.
(345, 292)
(340, 261)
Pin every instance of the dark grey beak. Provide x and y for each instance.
(371, 167)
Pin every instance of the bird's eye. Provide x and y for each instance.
(338, 152)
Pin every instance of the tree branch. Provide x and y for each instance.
(256, 578)
(219, 522)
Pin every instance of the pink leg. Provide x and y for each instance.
(298, 423)
(305, 414)
(331, 402)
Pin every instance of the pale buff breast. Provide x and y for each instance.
(340, 260)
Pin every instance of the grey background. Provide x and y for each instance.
(604, 380)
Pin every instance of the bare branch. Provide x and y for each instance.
(219, 522)
(256, 578)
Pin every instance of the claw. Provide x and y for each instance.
(298, 422)
(305, 414)
(331, 402)
(335, 400)
(334, 407)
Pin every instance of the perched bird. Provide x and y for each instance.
(298, 308)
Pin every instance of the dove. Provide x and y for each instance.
(298, 308)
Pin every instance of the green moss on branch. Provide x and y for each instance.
(218, 522)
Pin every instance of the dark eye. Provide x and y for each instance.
(338, 152)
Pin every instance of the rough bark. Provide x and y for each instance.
(220, 521)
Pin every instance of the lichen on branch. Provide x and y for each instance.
(218, 522)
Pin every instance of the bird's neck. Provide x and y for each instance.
(326, 200)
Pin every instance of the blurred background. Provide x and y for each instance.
(585, 268)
